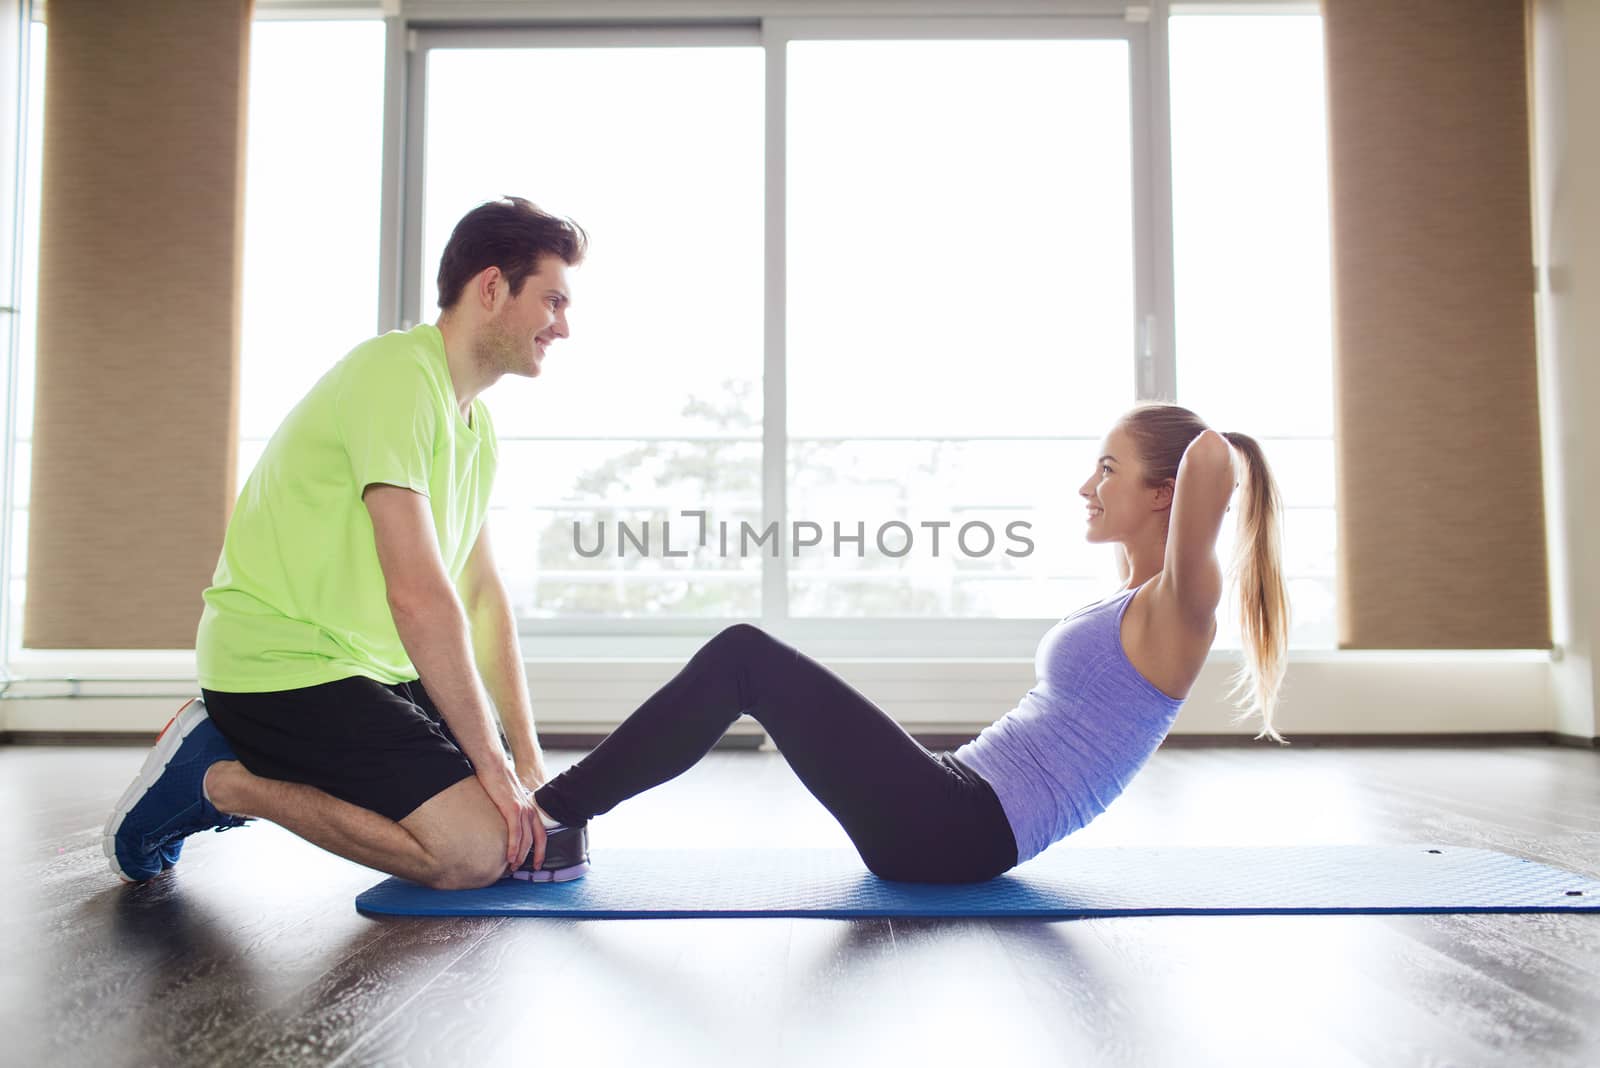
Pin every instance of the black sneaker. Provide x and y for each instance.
(566, 856)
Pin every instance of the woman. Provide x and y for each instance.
(1111, 678)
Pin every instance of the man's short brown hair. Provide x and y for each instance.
(512, 234)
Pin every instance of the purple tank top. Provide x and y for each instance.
(1076, 739)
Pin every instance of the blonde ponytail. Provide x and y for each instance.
(1257, 572)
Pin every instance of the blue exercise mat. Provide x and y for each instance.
(1063, 881)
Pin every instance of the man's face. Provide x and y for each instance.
(515, 338)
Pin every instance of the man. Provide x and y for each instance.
(356, 603)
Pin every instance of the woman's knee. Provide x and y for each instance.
(742, 636)
(740, 643)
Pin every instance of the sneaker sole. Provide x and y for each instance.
(559, 875)
(155, 765)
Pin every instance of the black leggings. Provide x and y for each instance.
(913, 816)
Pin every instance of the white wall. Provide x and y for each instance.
(1565, 85)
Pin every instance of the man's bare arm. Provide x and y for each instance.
(434, 629)
(499, 657)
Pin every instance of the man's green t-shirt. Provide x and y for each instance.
(298, 598)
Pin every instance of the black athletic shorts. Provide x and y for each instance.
(383, 747)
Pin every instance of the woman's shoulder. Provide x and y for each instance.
(1162, 606)
(1161, 643)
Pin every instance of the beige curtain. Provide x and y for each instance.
(136, 409)
(1441, 507)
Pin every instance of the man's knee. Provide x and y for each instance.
(468, 872)
(463, 836)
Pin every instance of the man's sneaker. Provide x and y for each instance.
(566, 856)
(167, 802)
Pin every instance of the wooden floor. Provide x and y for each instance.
(251, 951)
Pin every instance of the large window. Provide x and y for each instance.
(862, 297)
(312, 212)
(960, 310)
(1254, 303)
(653, 406)
(953, 251)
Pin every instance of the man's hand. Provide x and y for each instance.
(523, 828)
(532, 776)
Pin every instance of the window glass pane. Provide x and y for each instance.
(596, 528)
(653, 405)
(13, 143)
(33, 187)
(1251, 260)
(312, 212)
(27, 324)
(960, 266)
(953, 529)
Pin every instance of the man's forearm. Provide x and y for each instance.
(499, 659)
(434, 631)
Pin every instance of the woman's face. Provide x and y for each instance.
(1116, 497)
